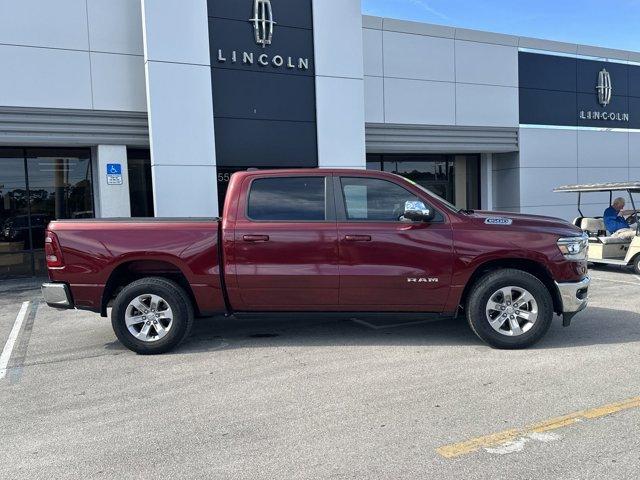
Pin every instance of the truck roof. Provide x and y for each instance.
(298, 171)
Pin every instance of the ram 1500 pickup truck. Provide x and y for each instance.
(321, 240)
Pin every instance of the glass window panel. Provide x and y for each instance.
(287, 199)
(140, 184)
(355, 198)
(374, 165)
(59, 188)
(417, 171)
(14, 208)
(473, 182)
(389, 166)
(374, 162)
(433, 171)
(374, 199)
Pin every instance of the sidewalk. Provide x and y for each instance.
(21, 284)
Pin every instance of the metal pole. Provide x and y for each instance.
(579, 198)
(633, 205)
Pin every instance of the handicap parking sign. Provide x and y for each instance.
(114, 174)
(114, 169)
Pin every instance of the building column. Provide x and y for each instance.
(180, 107)
(112, 196)
(337, 26)
(461, 181)
(486, 181)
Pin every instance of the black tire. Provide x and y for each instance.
(636, 264)
(480, 295)
(173, 295)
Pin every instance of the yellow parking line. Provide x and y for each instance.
(494, 439)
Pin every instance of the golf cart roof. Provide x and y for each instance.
(600, 187)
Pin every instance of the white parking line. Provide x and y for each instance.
(11, 341)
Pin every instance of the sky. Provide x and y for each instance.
(605, 23)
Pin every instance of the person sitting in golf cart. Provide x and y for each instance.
(616, 224)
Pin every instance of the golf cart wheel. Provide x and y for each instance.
(509, 309)
(636, 264)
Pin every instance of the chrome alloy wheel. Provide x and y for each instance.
(148, 317)
(512, 311)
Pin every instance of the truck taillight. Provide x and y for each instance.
(52, 251)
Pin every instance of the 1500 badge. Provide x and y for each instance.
(498, 221)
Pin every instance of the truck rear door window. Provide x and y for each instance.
(287, 199)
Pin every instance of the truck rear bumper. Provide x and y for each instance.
(574, 296)
(57, 295)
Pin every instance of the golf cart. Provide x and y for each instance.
(603, 248)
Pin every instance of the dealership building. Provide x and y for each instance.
(119, 108)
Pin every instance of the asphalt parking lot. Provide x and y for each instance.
(322, 398)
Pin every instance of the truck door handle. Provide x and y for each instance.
(255, 238)
(358, 238)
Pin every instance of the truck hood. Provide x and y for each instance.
(539, 223)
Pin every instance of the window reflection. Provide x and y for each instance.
(14, 238)
(37, 186)
(436, 172)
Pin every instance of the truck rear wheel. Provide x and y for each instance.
(509, 309)
(152, 315)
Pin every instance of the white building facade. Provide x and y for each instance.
(118, 108)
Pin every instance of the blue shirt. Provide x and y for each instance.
(612, 221)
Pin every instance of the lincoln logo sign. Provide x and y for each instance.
(604, 88)
(263, 26)
(262, 22)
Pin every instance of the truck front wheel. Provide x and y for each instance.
(509, 308)
(152, 315)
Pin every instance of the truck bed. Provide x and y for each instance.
(99, 253)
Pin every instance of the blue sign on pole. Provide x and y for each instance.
(114, 174)
(114, 169)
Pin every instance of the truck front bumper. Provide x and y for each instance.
(57, 295)
(574, 297)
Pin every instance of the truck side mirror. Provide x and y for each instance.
(418, 212)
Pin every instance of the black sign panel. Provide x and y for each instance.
(232, 45)
(287, 13)
(565, 91)
(263, 81)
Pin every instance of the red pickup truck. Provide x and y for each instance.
(321, 240)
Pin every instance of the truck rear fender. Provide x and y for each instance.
(530, 266)
(132, 270)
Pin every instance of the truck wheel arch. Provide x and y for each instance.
(131, 270)
(526, 265)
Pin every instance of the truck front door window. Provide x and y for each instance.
(374, 199)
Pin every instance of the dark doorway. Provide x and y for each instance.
(453, 177)
(140, 182)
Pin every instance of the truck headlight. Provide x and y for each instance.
(574, 248)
